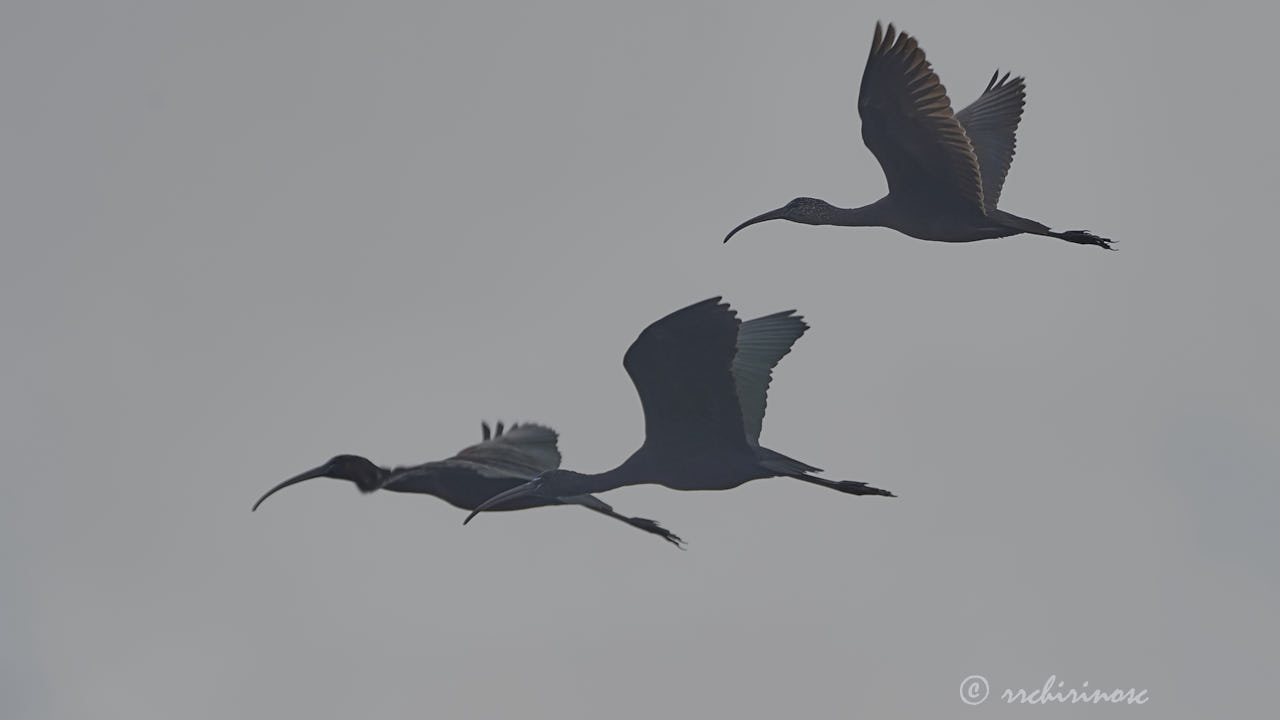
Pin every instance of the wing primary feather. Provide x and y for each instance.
(908, 123)
(762, 343)
(991, 123)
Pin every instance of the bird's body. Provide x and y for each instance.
(945, 170)
(702, 376)
(501, 461)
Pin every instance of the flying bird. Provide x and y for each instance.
(945, 170)
(702, 376)
(503, 460)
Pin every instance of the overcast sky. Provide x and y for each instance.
(241, 237)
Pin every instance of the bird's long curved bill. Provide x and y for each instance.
(771, 215)
(314, 473)
(528, 488)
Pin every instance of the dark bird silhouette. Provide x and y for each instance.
(702, 376)
(503, 460)
(945, 170)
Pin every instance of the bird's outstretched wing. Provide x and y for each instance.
(682, 369)
(908, 124)
(991, 123)
(762, 342)
(522, 451)
(519, 454)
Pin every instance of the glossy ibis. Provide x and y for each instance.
(702, 376)
(503, 460)
(944, 169)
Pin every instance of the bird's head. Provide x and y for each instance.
(361, 471)
(807, 210)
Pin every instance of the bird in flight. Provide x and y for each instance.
(702, 376)
(944, 169)
(501, 461)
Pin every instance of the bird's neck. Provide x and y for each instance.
(872, 215)
(634, 471)
(642, 467)
(567, 482)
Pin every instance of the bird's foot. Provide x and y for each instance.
(653, 527)
(1084, 237)
(859, 488)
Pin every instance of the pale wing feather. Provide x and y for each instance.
(520, 453)
(762, 342)
(524, 449)
(991, 122)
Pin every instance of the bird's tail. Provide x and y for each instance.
(790, 467)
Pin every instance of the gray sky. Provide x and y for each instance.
(242, 238)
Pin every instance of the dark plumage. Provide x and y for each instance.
(503, 460)
(702, 376)
(945, 170)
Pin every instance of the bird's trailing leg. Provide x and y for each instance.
(540, 487)
(1020, 224)
(1084, 237)
(602, 507)
(652, 526)
(845, 486)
